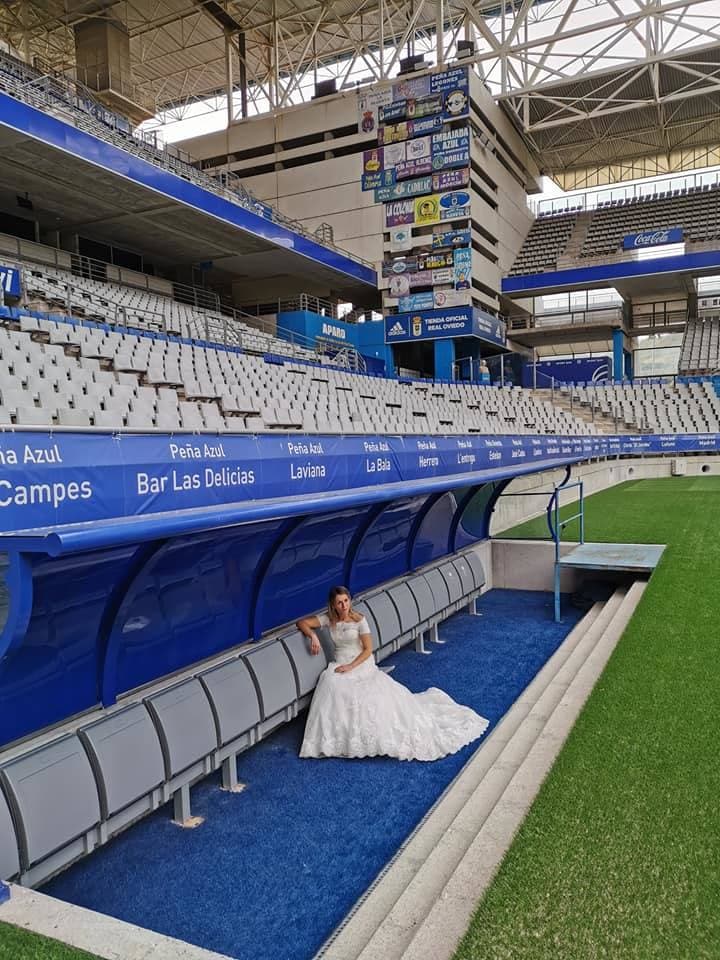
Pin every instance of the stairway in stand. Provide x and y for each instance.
(571, 253)
(603, 423)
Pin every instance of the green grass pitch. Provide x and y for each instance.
(619, 857)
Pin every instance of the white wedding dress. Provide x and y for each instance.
(365, 713)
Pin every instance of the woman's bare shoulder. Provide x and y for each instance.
(356, 617)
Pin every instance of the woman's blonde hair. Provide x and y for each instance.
(340, 591)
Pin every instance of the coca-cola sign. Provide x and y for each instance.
(653, 238)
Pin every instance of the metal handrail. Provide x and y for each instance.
(538, 321)
(231, 331)
(556, 525)
(302, 301)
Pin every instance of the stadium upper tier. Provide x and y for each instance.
(71, 375)
(57, 95)
(557, 240)
(76, 167)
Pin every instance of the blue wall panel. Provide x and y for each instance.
(383, 552)
(307, 564)
(432, 537)
(473, 520)
(704, 260)
(191, 601)
(54, 673)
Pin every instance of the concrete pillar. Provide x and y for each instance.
(628, 364)
(618, 359)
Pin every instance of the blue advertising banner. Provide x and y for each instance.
(452, 238)
(487, 327)
(449, 159)
(433, 299)
(10, 281)
(577, 370)
(392, 112)
(462, 268)
(453, 79)
(653, 238)
(417, 301)
(450, 179)
(425, 125)
(450, 148)
(49, 480)
(441, 324)
(429, 325)
(455, 204)
(453, 84)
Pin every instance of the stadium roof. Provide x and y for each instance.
(601, 89)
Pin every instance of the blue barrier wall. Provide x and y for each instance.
(51, 480)
(705, 261)
(578, 370)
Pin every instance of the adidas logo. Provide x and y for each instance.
(396, 330)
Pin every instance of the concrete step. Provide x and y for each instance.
(403, 921)
(439, 932)
(384, 922)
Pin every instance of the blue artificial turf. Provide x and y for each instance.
(273, 870)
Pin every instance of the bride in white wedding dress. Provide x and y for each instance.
(359, 711)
